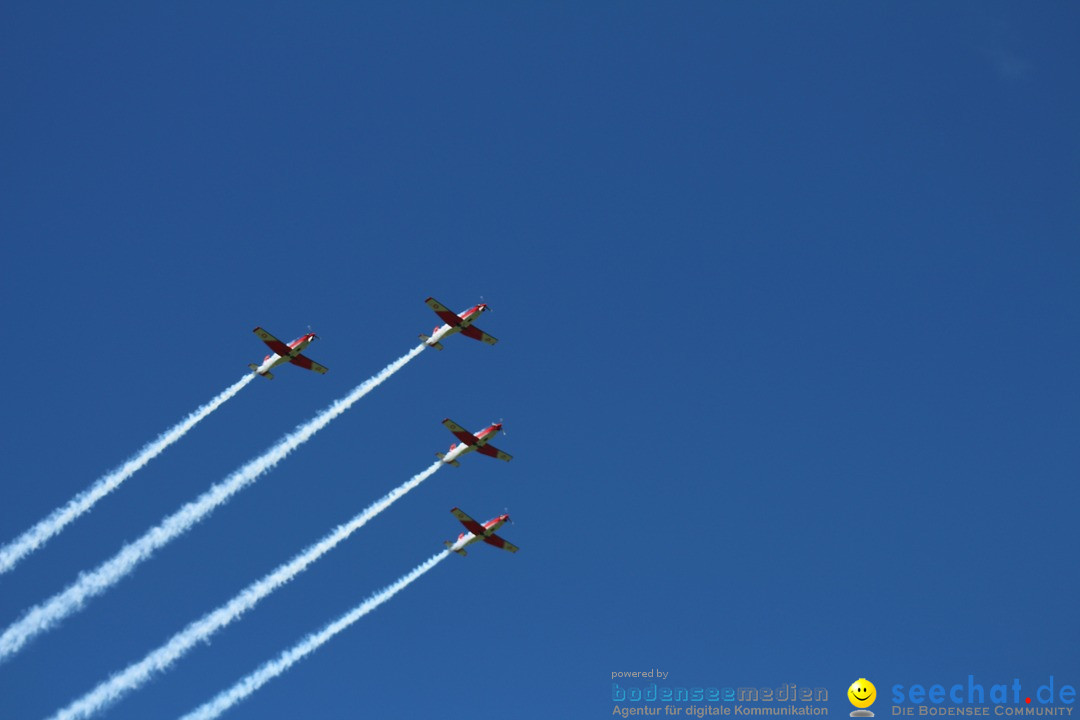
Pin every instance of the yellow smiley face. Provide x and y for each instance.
(862, 693)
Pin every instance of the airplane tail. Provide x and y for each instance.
(425, 338)
(442, 457)
(267, 375)
(460, 552)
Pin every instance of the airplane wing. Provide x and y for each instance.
(478, 334)
(500, 543)
(272, 342)
(447, 315)
(460, 433)
(471, 525)
(492, 451)
(308, 364)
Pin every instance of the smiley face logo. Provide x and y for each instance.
(862, 693)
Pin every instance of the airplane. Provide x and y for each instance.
(283, 353)
(485, 532)
(470, 442)
(463, 323)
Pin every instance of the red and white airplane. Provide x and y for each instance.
(462, 322)
(283, 353)
(485, 532)
(470, 442)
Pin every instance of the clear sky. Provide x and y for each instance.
(787, 297)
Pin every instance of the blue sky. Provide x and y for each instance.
(787, 300)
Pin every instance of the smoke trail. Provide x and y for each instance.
(308, 645)
(41, 533)
(159, 660)
(44, 616)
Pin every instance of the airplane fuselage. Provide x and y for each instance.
(467, 538)
(273, 359)
(467, 319)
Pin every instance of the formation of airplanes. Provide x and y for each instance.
(462, 322)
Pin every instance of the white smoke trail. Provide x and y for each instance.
(44, 616)
(270, 670)
(159, 660)
(41, 533)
